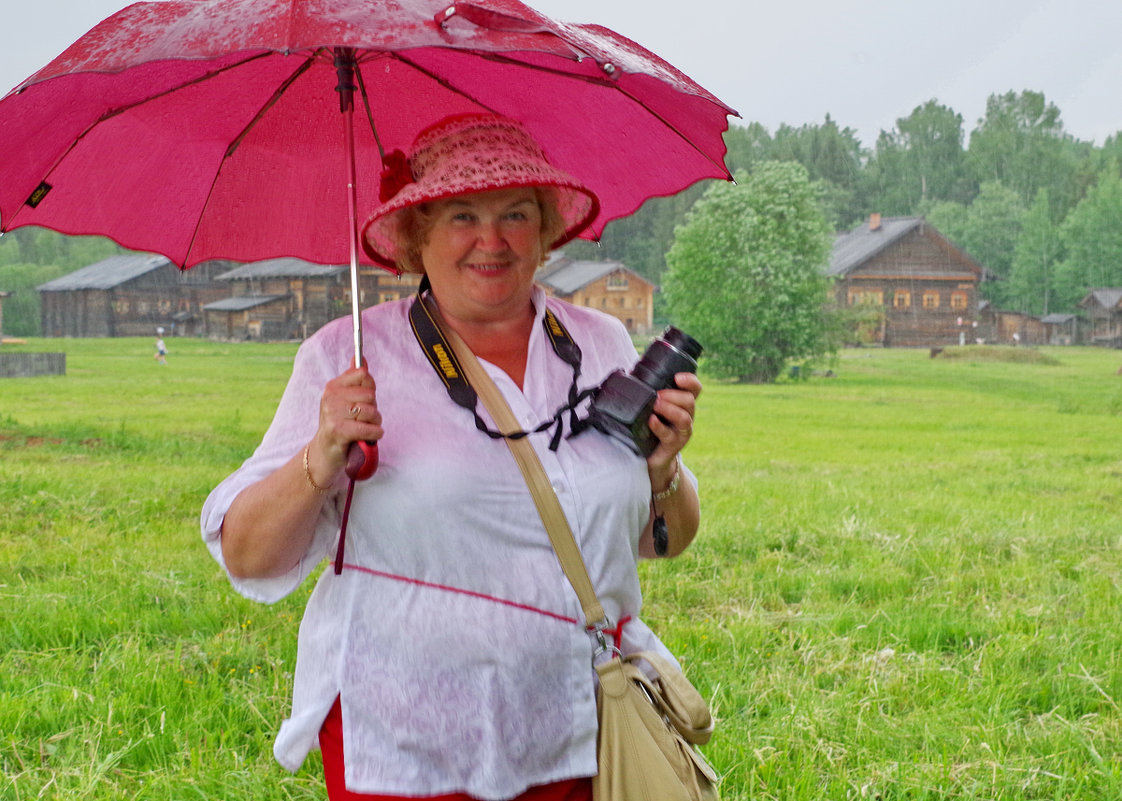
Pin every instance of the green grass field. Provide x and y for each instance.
(906, 586)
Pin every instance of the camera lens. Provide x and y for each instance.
(672, 353)
(682, 341)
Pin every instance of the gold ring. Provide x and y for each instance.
(354, 411)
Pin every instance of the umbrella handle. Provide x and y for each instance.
(362, 460)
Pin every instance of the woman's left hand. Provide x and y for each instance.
(672, 423)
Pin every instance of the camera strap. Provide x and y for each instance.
(443, 359)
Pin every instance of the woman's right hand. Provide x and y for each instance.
(271, 523)
(348, 412)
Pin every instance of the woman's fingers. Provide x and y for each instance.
(672, 421)
(348, 412)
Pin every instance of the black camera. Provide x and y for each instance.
(623, 404)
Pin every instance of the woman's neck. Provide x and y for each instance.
(504, 342)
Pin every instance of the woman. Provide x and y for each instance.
(448, 658)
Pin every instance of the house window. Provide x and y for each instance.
(930, 299)
(902, 299)
(958, 300)
(865, 298)
(617, 281)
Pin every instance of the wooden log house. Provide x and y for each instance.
(129, 294)
(1104, 316)
(605, 285)
(277, 299)
(921, 290)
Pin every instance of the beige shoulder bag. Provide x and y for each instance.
(648, 727)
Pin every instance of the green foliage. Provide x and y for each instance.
(747, 146)
(1033, 273)
(745, 273)
(949, 218)
(922, 161)
(828, 152)
(993, 226)
(832, 157)
(31, 256)
(641, 240)
(21, 309)
(42, 246)
(1021, 144)
(1092, 239)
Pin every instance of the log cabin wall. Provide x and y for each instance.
(607, 286)
(628, 300)
(926, 289)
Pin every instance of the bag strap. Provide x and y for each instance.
(552, 515)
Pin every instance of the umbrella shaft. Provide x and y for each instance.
(345, 73)
(352, 231)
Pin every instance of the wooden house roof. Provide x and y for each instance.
(107, 274)
(565, 276)
(856, 247)
(1108, 298)
(281, 268)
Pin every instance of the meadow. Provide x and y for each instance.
(906, 585)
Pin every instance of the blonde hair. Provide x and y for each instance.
(414, 224)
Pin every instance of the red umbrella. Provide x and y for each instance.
(207, 129)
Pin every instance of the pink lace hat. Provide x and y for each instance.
(464, 154)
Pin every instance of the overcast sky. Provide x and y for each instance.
(864, 63)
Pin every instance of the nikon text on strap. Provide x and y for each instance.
(443, 359)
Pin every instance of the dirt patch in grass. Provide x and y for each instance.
(27, 441)
(994, 353)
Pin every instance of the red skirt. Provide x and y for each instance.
(331, 744)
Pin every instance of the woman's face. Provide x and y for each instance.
(482, 252)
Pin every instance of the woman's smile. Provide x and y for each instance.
(482, 252)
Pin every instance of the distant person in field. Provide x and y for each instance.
(448, 659)
(161, 349)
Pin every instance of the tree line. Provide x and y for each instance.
(1039, 209)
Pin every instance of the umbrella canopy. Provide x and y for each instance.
(203, 129)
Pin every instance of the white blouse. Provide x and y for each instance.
(453, 638)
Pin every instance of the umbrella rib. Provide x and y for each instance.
(679, 134)
(122, 109)
(272, 101)
(369, 111)
(502, 60)
(199, 79)
(442, 81)
(304, 66)
(607, 83)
